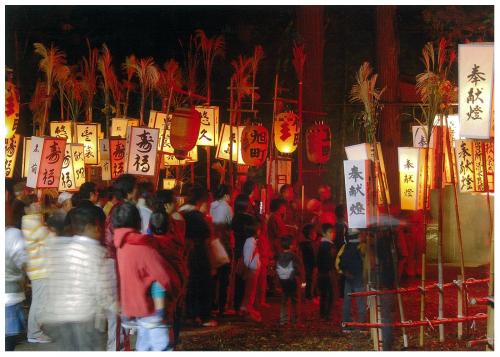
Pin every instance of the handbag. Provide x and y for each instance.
(219, 254)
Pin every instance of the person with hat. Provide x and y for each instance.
(349, 262)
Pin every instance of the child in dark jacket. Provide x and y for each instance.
(307, 251)
(291, 275)
(326, 271)
(349, 262)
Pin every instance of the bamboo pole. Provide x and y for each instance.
(422, 303)
(272, 161)
(300, 133)
(457, 217)
(460, 296)
(231, 118)
(440, 228)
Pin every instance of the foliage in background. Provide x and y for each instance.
(210, 49)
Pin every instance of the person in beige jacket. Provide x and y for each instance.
(35, 233)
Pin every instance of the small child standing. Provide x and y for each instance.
(291, 275)
(308, 256)
(326, 271)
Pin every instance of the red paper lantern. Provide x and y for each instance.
(254, 142)
(184, 129)
(318, 143)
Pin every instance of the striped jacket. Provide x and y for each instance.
(35, 233)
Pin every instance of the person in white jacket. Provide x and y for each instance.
(251, 261)
(79, 290)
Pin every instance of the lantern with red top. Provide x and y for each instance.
(184, 130)
(318, 143)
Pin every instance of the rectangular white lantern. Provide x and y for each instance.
(280, 172)
(119, 127)
(87, 134)
(61, 129)
(35, 154)
(357, 178)
(77, 152)
(419, 133)
(490, 164)
(465, 165)
(104, 149)
(223, 148)
(475, 89)
(209, 127)
(11, 149)
(46, 159)
(142, 150)
(117, 158)
(26, 156)
(67, 180)
(409, 162)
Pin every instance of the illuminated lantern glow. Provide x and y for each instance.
(475, 83)
(87, 134)
(465, 165)
(169, 159)
(26, 156)
(230, 134)
(254, 143)
(117, 156)
(184, 129)
(357, 174)
(11, 149)
(280, 172)
(61, 129)
(489, 148)
(77, 154)
(318, 143)
(421, 177)
(142, 150)
(119, 127)
(209, 125)
(11, 109)
(67, 180)
(104, 152)
(365, 151)
(169, 184)
(159, 121)
(438, 177)
(420, 136)
(409, 165)
(46, 160)
(479, 170)
(286, 132)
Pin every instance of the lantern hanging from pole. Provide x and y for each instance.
(254, 143)
(230, 134)
(26, 156)
(87, 134)
(184, 129)
(117, 156)
(141, 152)
(11, 109)
(409, 161)
(77, 154)
(318, 143)
(46, 159)
(62, 129)
(104, 153)
(465, 163)
(209, 125)
(357, 178)
(286, 132)
(11, 149)
(475, 83)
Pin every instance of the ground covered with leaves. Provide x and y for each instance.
(236, 333)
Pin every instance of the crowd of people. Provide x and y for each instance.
(103, 261)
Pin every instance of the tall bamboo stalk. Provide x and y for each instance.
(441, 228)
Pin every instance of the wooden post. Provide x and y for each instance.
(460, 296)
(231, 122)
(440, 228)
(300, 133)
(422, 302)
(207, 150)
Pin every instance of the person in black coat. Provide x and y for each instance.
(326, 271)
(308, 256)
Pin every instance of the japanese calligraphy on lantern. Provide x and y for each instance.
(61, 129)
(159, 120)
(209, 127)
(11, 109)
(117, 157)
(453, 124)
(119, 127)
(465, 165)
(67, 180)
(280, 172)
(490, 164)
(171, 160)
(51, 161)
(478, 153)
(230, 139)
(77, 154)
(35, 154)
(104, 149)
(318, 143)
(26, 156)
(475, 83)
(286, 132)
(11, 149)
(357, 182)
(419, 136)
(88, 136)
(254, 142)
(409, 162)
(143, 146)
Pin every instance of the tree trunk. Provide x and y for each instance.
(311, 32)
(388, 70)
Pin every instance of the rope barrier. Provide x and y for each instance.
(430, 323)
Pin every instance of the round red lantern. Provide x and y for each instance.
(318, 143)
(184, 129)
(11, 109)
(254, 142)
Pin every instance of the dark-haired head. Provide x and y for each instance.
(88, 191)
(251, 228)
(307, 229)
(325, 227)
(248, 187)
(197, 195)
(276, 203)
(124, 187)
(286, 242)
(221, 191)
(85, 221)
(126, 215)
(241, 203)
(158, 222)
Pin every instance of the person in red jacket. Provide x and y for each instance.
(139, 266)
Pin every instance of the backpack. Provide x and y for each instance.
(285, 273)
